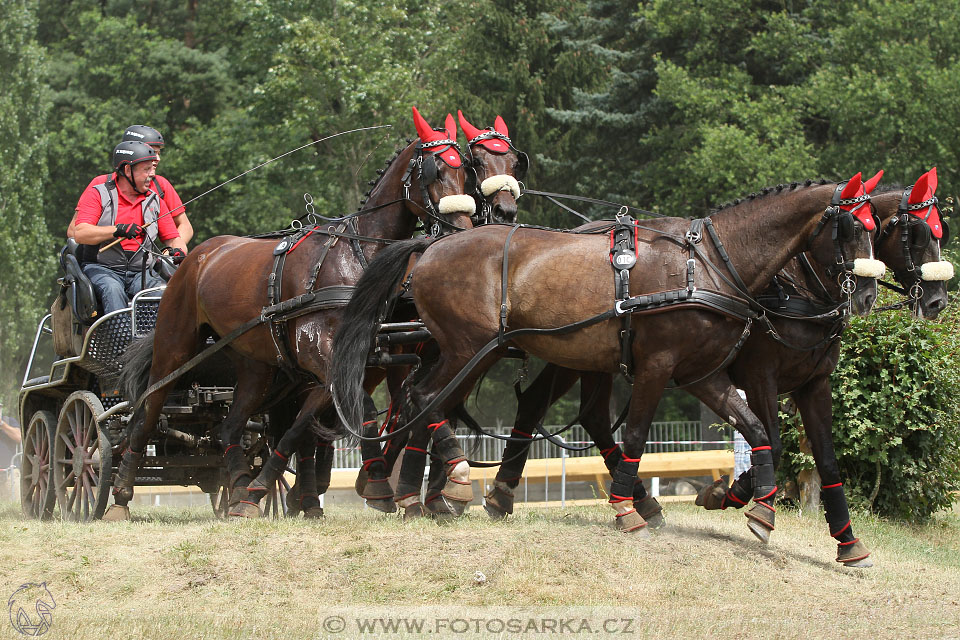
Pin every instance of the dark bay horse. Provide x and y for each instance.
(798, 362)
(498, 167)
(554, 279)
(227, 281)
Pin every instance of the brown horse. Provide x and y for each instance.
(227, 281)
(798, 362)
(499, 165)
(457, 284)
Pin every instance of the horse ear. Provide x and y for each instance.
(853, 187)
(932, 181)
(468, 129)
(500, 126)
(451, 126)
(871, 184)
(919, 191)
(424, 130)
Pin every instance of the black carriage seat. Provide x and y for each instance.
(77, 286)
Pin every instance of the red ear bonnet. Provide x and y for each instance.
(496, 145)
(429, 135)
(923, 191)
(860, 210)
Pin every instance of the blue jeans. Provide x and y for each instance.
(115, 289)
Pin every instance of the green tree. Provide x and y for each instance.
(26, 252)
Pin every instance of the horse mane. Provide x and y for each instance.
(780, 188)
(373, 183)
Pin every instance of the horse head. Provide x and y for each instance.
(440, 171)
(499, 166)
(844, 240)
(912, 237)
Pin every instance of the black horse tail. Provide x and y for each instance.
(359, 325)
(135, 373)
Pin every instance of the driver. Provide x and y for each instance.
(149, 135)
(125, 207)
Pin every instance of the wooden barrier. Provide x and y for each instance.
(680, 464)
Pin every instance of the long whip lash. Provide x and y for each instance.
(262, 164)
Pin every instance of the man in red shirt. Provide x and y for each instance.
(125, 207)
(169, 195)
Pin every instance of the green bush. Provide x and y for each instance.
(896, 424)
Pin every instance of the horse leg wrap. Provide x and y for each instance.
(624, 479)
(434, 502)
(498, 503)
(324, 466)
(762, 514)
(126, 476)
(849, 547)
(410, 480)
(514, 459)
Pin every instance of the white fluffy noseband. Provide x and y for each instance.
(457, 204)
(936, 271)
(868, 268)
(499, 183)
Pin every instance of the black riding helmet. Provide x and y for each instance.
(131, 153)
(145, 134)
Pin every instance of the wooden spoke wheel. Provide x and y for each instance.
(37, 497)
(82, 459)
(275, 503)
(220, 499)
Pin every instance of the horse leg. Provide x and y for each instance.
(595, 392)
(295, 437)
(434, 502)
(647, 389)
(253, 383)
(322, 469)
(815, 406)
(763, 401)
(719, 393)
(532, 405)
(373, 481)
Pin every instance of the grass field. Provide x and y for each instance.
(545, 573)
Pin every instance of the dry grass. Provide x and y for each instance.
(181, 574)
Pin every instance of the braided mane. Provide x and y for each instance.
(373, 183)
(780, 188)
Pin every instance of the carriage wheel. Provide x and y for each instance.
(37, 497)
(220, 501)
(82, 459)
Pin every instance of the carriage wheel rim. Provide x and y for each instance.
(36, 492)
(78, 480)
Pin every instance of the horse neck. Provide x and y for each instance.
(764, 233)
(393, 220)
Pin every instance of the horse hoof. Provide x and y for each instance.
(651, 511)
(244, 510)
(759, 530)
(383, 505)
(854, 555)
(377, 489)
(498, 503)
(494, 512)
(864, 563)
(458, 492)
(633, 523)
(656, 521)
(413, 512)
(314, 513)
(116, 513)
(360, 485)
(711, 496)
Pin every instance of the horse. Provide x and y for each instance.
(498, 166)
(468, 294)
(799, 361)
(300, 293)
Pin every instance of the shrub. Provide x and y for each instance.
(896, 425)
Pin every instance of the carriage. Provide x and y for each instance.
(75, 417)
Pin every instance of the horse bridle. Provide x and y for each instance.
(424, 163)
(842, 229)
(484, 205)
(915, 232)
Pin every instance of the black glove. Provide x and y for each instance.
(129, 230)
(176, 255)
